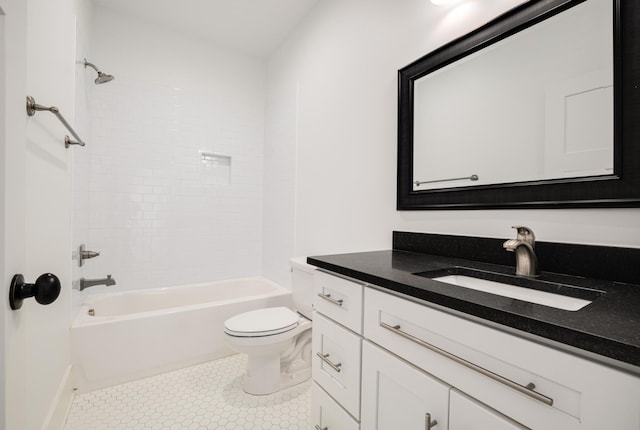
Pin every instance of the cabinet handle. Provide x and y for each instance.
(527, 390)
(325, 358)
(428, 423)
(317, 427)
(328, 298)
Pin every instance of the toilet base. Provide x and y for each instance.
(259, 379)
(268, 373)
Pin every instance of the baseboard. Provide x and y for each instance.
(57, 415)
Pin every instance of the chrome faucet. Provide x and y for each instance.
(86, 283)
(523, 246)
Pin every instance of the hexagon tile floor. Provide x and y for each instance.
(204, 397)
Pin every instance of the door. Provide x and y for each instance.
(39, 49)
(3, 50)
(397, 395)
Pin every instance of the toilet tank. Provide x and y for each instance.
(302, 285)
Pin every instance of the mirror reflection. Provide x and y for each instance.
(537, 105)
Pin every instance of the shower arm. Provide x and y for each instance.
(93, 66)
(33, 107)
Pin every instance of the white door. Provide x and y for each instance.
(468, 414)
(397, 395)
(38, 48)
(579, 126)
(3, 129)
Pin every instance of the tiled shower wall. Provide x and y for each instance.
(145, 200)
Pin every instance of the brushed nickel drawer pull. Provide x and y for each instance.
(428, 424)
(317, 427)
(328, 298)
(325, 358)
(527, 390)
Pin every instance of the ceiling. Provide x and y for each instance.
(255, 27)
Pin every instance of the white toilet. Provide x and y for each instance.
(276, 340)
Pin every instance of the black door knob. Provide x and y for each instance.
(45, 290)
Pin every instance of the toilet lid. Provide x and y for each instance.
(261, 322)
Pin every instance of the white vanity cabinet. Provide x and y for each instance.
(337, 347)
(535, 386)
(427, 367)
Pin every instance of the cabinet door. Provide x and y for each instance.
(467, 414)
(336, 362)
(327, 414)
(396, 395)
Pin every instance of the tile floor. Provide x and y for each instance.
(204, 397)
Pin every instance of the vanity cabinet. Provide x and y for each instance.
(539, 387)
(337, 347)
(418, 359)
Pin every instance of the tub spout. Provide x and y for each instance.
(86, 283)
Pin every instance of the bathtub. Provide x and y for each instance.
(120, 337)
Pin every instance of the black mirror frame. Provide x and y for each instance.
(621, 189)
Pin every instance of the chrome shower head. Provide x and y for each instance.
(102, 77)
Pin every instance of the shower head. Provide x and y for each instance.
(102, 77)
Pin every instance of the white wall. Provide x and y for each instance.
(144, 199)
(344, 59)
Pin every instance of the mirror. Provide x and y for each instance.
(526, 111)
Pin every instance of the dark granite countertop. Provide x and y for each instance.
(606, 330)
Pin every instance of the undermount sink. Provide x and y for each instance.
(526, 294)
(532, 290)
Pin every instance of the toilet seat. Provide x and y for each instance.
(262, 322)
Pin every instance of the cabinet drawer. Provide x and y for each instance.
(487, 364)
(326, 414)
(339, 299)
(336, 362)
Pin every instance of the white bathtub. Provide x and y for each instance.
(136, 334)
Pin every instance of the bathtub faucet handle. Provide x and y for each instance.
(83, 254)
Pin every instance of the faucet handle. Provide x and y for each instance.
(525, 234)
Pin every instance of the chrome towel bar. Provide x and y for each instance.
(470, 178)
(33, 107)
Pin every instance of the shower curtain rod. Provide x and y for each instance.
(33, 107)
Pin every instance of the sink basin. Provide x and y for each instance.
(553, 300)
(553, 290)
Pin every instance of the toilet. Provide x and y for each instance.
(276, 340)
